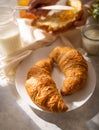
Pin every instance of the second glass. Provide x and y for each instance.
(90, 38)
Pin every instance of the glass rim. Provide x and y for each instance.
(83, 30)
(6, 13)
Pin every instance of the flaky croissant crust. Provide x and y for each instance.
(73, 66)
(42, 89)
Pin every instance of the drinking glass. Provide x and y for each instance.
(9, 33)
(90, 38)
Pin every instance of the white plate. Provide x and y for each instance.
(73, 101)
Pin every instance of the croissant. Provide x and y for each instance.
(42, 88)
(73, 66)
(62, 20)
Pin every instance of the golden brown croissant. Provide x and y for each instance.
(61, 20)
(42, 89)
(74, 67)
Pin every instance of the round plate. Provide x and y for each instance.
(73, 101)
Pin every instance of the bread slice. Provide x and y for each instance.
(61, 20)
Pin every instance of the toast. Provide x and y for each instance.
(62, 20)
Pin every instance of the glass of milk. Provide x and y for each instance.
(9, 33)
(90, 38)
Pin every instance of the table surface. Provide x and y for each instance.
(15, 114)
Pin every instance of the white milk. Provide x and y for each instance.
(9, 40)
(91, 43)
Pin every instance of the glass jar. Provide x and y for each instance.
(9, 33)
(90, 38)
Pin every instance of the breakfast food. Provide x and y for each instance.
(73, 66)
(42, 89)
(61, 20)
